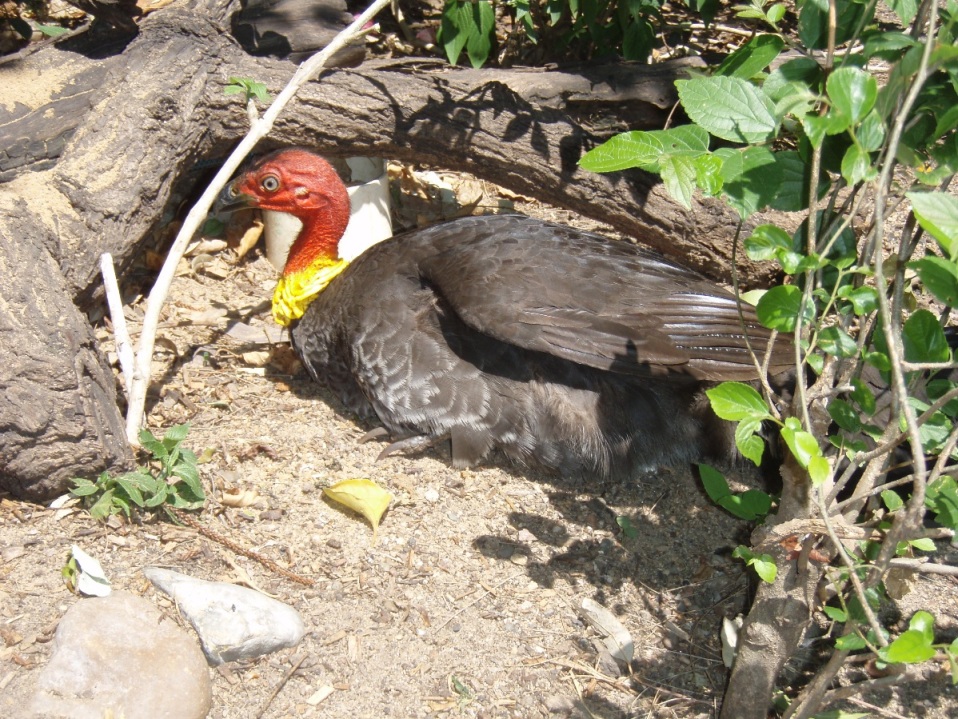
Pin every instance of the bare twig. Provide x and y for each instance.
(191, 521)
(259, 129)
(121, 336)
(279, 687)
(925, 567)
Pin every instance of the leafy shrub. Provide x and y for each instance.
(871, 430)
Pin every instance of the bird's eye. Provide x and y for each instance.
(270, 183)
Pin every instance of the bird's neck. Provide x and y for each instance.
(313, 263)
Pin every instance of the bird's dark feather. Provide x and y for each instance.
(554, 345)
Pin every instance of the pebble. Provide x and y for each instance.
(431, 495)
(232, 622)
(555, 704)
(119, 656)
(526, 536)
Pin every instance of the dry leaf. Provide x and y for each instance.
(256, 358)
(249, 239)
(363, 496)
(240, 497)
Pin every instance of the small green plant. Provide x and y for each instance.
(249, 87)
(171, 477)
(577, 28)
(763, 10)
(751, 505)
(763, 564)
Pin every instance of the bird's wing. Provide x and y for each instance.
(593, 301)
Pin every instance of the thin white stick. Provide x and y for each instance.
(121, 336)
(258, 130)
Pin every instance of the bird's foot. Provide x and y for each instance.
(376, 433)
(411, 445)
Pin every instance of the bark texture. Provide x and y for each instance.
(99, 149)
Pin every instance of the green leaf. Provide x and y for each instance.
(678, 175)
(751, 178)
(924, 339)
(871, 133)
(765, 242)
(729, 108)
(625, 524)
(813, 21)
(736, 401)
(887, 45)
(864, 299)
(799, 76)
(764, 564)
(750, 505)
(51, 30)
(626, 150)
(753, 57)
(177, 433)
(852, 92)
(912, 647)
(844, 415)
(856, 165)
(83, 487)
(152, 445)
(162, 492)
(792, 193)
(775, 13)
(465, 23)
(941, 497)
(748, 441)
(850, 643)
(937, 213)
(892, 501)
(708, 174)
(836, 614)
(479, 42)
(819, 469)
(780, 307)
(904, 9)
(765, 568)
(805, 449)
(645, 149)
(836, 342)
(103, 507)
(716, 487)
(924, 544)
(939, 276)
(863, 396)
(131, 489)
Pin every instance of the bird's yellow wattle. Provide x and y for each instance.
(296, 290)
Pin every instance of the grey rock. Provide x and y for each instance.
(232, 622)
(119, 656)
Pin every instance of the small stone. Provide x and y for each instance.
(232, 622)
(526, 536)
(119, 656)
(431, 495)
(558, 705)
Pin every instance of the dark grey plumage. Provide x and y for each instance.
(558, 347)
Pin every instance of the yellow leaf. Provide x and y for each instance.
(363, 496)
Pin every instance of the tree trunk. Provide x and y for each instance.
(125, 146)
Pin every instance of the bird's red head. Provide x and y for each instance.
(300, 183)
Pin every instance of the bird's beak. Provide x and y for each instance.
(231, 199)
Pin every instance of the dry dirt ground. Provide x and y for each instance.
(468, 605)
